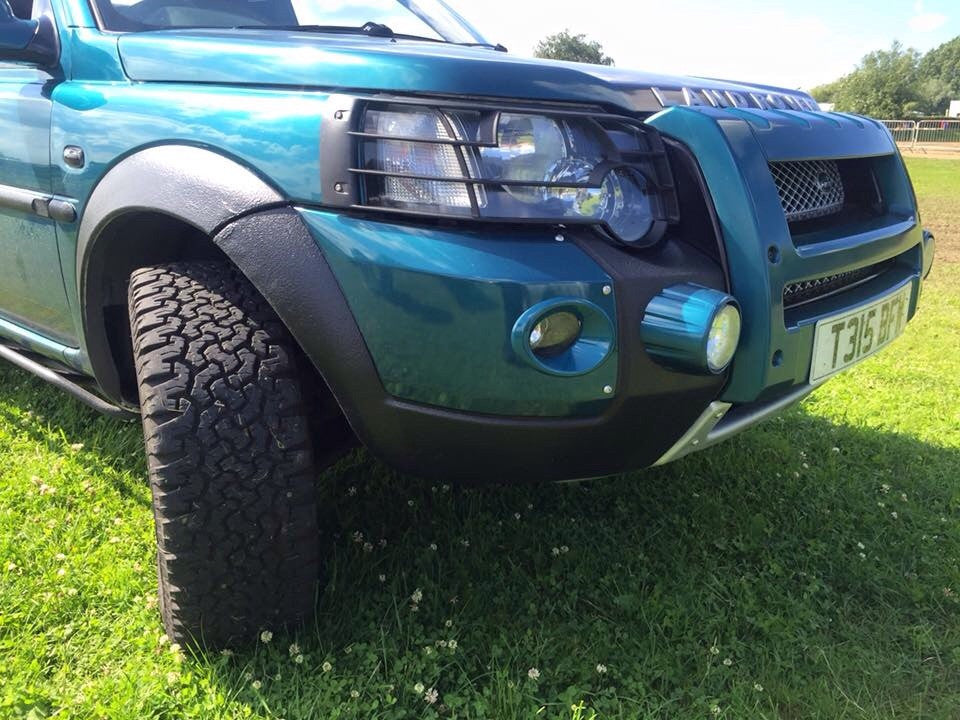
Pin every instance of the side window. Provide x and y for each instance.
(23, 9)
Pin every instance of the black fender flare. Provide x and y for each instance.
(194, 185)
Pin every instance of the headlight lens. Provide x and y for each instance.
(516, 166)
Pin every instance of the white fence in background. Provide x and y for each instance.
(926, 135)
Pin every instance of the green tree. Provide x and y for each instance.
(886, 84)
(575, 48)
(940, 73)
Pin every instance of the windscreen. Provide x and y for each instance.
(431, 19)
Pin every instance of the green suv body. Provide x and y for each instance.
(269, 228)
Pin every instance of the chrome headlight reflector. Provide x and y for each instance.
(512, 165)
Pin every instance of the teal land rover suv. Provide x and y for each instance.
(270, 229)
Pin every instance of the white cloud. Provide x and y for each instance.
(925, 22)
(928, 22)
(699, 37)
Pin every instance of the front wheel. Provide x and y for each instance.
(228, 451)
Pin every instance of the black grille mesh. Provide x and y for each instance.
(799, 293)
(808, 189)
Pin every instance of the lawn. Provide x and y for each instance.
(806, 569)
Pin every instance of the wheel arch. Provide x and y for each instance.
(159, 204)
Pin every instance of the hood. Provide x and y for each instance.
(355, 63)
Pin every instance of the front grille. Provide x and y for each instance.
(800, 293)
(808, 189)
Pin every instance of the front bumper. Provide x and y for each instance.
(410, 324)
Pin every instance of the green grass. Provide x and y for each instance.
(806, 569)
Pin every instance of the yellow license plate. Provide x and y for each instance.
(843, 340)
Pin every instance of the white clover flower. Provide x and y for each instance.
(881, 504)
(516, 516)
(555, 552)
(529, 506)
(172, 677)
(358, 537)
(452, 644)
(728, 662)
(894, 515)
(226, 652)
(431, 696)
(351, 491)
(446, 488)
(326, 667)
(418, 688)
(382, 543)
(465, 543)
(758, 687)
(368, 547)
(862, 556)
(248, 676)
(903, 497)
(428, 650)
(714, 650)
(354, 694)
(564, 549)
(433, 546)
(441, 643)
(163, 639)
(410, 503)
(294, 649)
(861, 546)
(885, 488)
(76, 447)
(601, 669)
(266, 636)
(61, 572)
(256, 684)
(806, 466)
(448, 623)
(533, 673)
(715, 709)
(836, 449)
(61, 557)
(382, 578)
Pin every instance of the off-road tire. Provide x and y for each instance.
(229, 454)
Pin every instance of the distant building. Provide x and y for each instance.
(827, 107)
(954, 110)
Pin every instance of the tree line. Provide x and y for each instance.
(898, 83)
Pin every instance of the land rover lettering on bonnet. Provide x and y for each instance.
(269, 230)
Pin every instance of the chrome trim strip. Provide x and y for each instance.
(698, 433)
(43, 205)
(721, 421)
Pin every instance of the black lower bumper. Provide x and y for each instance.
(653, 408)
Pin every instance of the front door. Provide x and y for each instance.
(32, 292)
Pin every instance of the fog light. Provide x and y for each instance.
(564, 336)
(555, 333)
(692, 328)
(723, 338)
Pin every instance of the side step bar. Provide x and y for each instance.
(71, 388)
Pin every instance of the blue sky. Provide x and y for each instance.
(795, 44)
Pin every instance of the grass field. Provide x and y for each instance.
(806, 569)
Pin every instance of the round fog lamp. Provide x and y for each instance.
(555, 333)
(723, 338)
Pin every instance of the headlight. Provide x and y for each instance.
(561, 167)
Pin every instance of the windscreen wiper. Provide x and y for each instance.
(372, 29)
